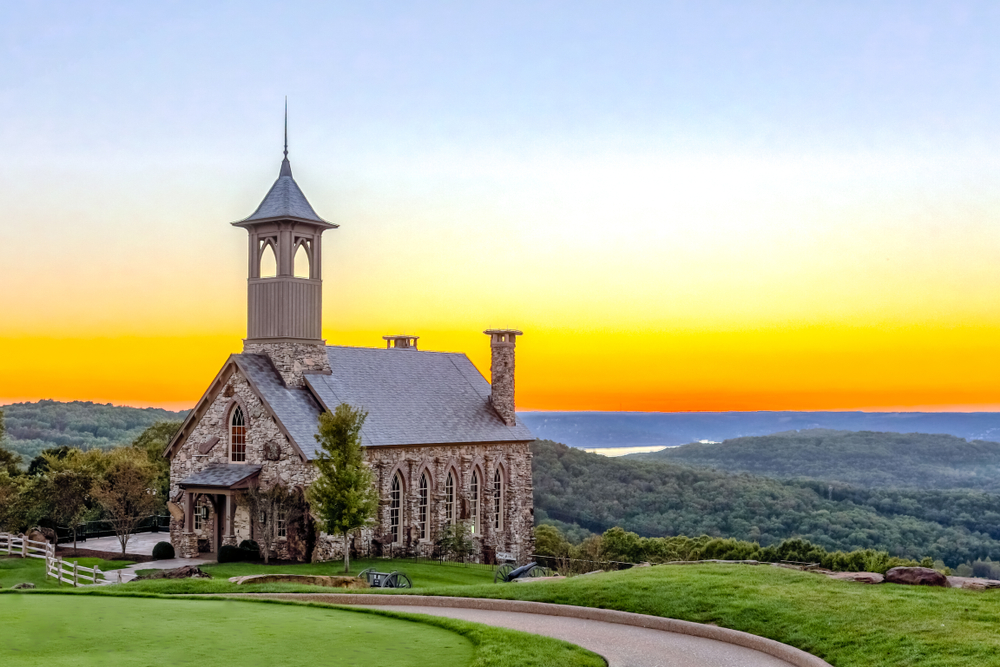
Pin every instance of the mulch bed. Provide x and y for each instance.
(68, 552)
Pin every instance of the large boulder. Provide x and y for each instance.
(916, 576)
(39, 534)
(973, 584)
(304, 579)
(860, 577)
(186, 572)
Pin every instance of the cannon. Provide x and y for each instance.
(507, 572)
(394, 579)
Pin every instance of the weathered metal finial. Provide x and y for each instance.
(286, 126)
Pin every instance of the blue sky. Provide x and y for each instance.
(642, 172)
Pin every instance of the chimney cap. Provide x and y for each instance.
(514, 332)
(400, 342)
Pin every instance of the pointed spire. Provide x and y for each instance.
(286, 166)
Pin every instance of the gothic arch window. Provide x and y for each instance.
(422, 506)
(474, 502)
(395, 505)
(268, 261)
(498, 500)
(449, 498)
(303, 260)
(237, 436)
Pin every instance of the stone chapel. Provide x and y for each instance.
(444, 444)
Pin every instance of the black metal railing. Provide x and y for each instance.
(94, 529)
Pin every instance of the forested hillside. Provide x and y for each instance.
(863, 458)
(655, 498)
(32, 427)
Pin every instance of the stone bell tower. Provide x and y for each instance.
(285, 308)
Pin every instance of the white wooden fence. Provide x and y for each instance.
(73, 573)
(57, 568)
(19, 545)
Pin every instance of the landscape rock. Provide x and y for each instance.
(916, 576)
(22, 586)
(185, 572)
(973, 583)
(860, 577)
(39, 534)
(304, 579)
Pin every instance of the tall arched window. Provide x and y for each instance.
(395, 503)
(268, 261)
(422, 507)
(498, 500)
(449, 499)
(474, 501)
(237, 436)
(301, 265)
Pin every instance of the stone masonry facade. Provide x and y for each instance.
(267, 446)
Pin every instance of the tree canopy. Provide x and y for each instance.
(343, 497)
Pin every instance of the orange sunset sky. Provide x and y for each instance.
(684, 207)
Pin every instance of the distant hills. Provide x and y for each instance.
(869, 459)
(658, 498)
(32, 427)
(637, 429)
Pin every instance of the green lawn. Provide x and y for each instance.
(18, 570)
(55, 630)
(425, 575)
(847, 624)
(101, 628)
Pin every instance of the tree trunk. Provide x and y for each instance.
(347, 556)
(74, 538)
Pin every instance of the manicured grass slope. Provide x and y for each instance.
(424, 575)
(55, 630)
(32, 570)
(847, 624)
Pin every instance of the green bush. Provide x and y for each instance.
(231, 554)
(163, 551)
(250, 545)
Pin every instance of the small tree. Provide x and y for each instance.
(456, 541)
(125, 491)
(343, 497)
(267, 508)
(152, 442)
(67, 483)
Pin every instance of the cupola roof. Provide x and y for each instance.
(285, 199)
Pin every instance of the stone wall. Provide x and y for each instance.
(516, 533)
(513, 460)
(293, 360)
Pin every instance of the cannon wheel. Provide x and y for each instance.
(398, 580)
(539, 571)
(363, 574)
(502, 572)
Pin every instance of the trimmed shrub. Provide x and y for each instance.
(231, 554)
(163, 551)
(250, 545)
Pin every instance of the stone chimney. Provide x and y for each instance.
(502, 372)
(400, 342)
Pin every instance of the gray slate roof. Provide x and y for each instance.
(284, 200)
(295, 408)
(222, 475)
(412, 398)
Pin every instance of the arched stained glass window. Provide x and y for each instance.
(498, 500)
(449, 499)
(395, 503)
(422, 507)
(237, 436)
(474, 502)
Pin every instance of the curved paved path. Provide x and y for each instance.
(620, 642)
